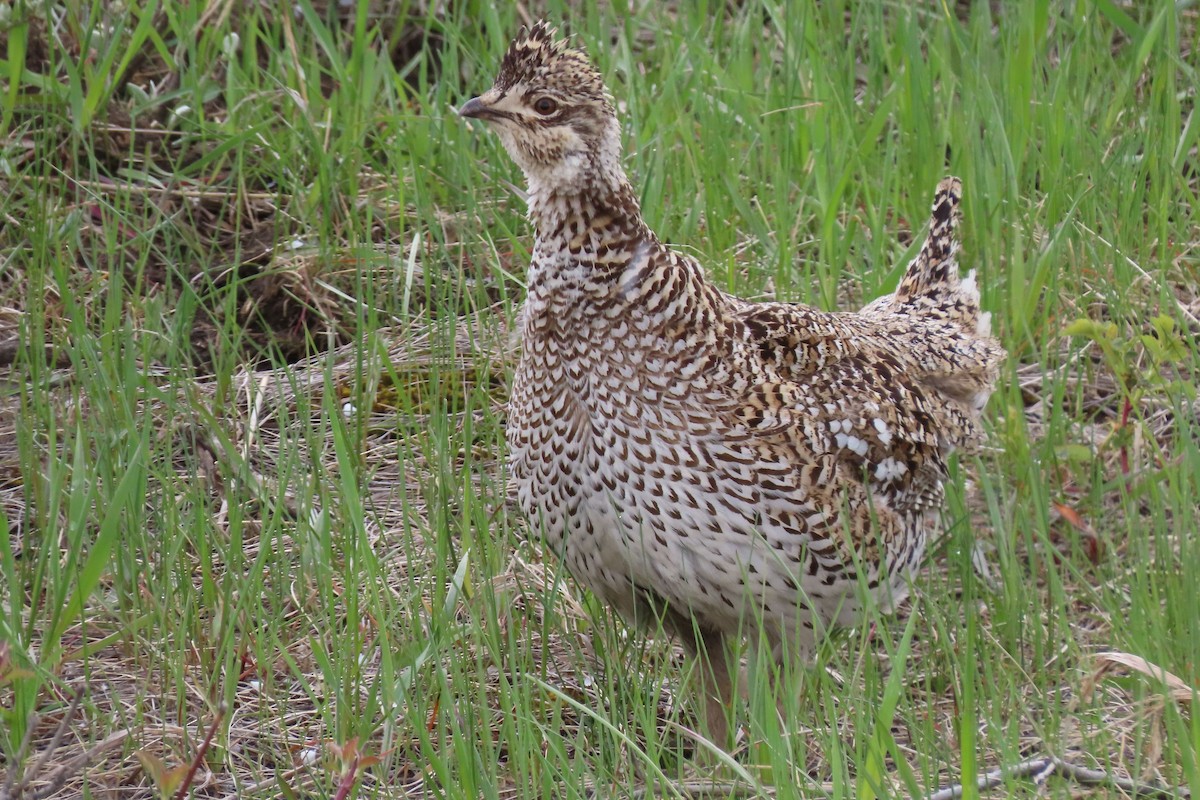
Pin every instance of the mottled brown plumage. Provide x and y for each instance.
(702, 460)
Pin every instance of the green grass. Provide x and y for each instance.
(197, 534)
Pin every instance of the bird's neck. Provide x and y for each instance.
(588, 218)
(595, 260)
(583, 199)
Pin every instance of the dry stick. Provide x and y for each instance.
(191, 773)
(347, 781)
(57, 778)
(56, 739)
(175, 191)
(1041, 768)
(726, 790)
(6, 791)
(59, 731)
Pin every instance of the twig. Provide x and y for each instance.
(200, 751)
(6, 791)
(10, 792)
(1036, 769)
(56, 739)
(1039, 769)
(59, 776)
(176, 191)
(349, 778)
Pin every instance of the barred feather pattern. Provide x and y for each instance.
(695, 458)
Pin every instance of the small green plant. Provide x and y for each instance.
(1143, 366)
(167, 780)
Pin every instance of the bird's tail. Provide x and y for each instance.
(931, 283)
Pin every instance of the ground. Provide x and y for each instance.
(256, 299)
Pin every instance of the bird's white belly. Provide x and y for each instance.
(653, 499)
(669, 511)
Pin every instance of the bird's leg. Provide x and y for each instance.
(709, 649)
(788, 667)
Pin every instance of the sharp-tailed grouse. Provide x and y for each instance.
(718, 465)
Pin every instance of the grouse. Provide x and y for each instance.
(714, 465)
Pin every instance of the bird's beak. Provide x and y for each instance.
(476, 109)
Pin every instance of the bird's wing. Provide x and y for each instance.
(848, 386)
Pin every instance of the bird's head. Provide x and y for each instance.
(553, 114)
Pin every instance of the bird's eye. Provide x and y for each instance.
(545, 106)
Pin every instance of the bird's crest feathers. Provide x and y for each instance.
(539, 58)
